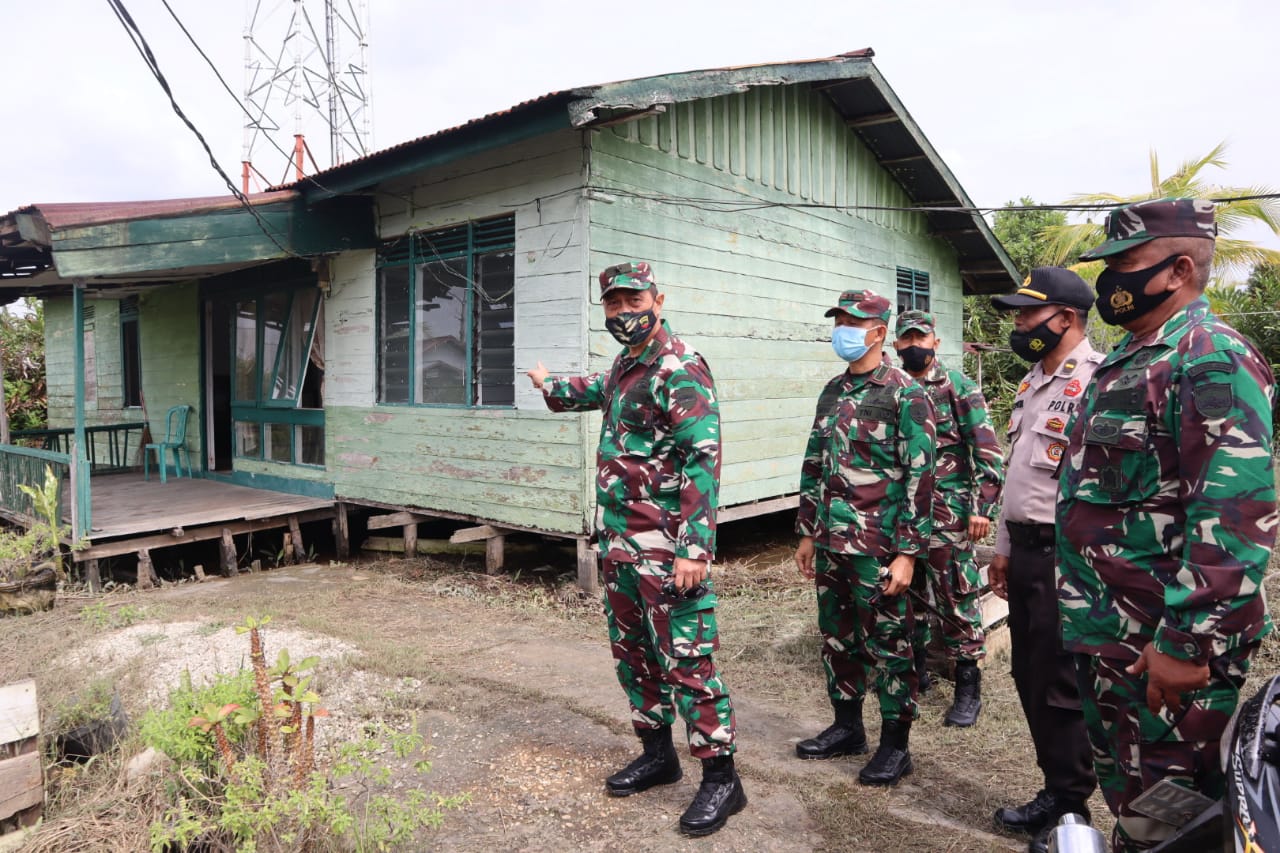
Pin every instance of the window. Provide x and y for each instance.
(130, 353)
(913, 290)
(446, 316)
(277, 376)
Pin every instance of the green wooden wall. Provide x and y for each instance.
(748, 288)
(169, 341)
(523, 466)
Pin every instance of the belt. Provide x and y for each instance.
(1029, 534)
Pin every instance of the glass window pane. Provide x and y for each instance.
(310, 440)
(291, 364)
(393, 334)
(279, 442)
(441, 345)
(495, 326)
(275, 318)
(246, 387)
(248, 440)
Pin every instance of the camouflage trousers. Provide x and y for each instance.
(1133, 748)
(865, 631)
(951, 575)
(662, 655)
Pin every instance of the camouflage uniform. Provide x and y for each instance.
(1165, 522)
(657, 477)
(968, 474)
(866, 488)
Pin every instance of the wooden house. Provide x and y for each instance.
(358, 338)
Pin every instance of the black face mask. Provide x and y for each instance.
(915, 358)
(1122, 297)
(1037, 343)
(632, 328)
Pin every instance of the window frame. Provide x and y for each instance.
(914, 284)
(496, 235)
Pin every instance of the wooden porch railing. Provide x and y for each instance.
(26, 466)
(107, 447)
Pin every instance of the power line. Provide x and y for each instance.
(144, 49)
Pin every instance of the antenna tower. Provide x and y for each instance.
(306, 62)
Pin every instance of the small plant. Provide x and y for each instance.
(93, 703)
(99, 615)
(248, 776)
(22, 554)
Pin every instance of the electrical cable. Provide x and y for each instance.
(144, 49)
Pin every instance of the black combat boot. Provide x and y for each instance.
(1040, 843)
(922, 670)
(1041, 813)
(657, 765)
(843, 737)
(892, 761)
(719, 797)
(968, 702)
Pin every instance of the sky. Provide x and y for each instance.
(1020, 98)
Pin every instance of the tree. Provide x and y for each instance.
(1020, 233)
(1254, 311)
(1232, 257)
(22, 348)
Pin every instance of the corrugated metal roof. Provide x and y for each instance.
(73, 214)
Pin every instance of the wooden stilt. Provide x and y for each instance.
(92, 576)
(199, 573)
(588, 567)
(146, 572)
(287, 557)
(229, 569)
(342, 536)
(411, 539)
(494, 554)
(295, 535)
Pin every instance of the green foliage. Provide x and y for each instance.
(25, 552)
(91, 703)
(22, 361)
(1021, 233)
(1254, 311)
(99, 615)
(246, 776)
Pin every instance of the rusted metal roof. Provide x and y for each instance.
(71, 214)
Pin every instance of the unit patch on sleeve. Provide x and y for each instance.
(1055, 424)
(1073, 388)
(1055, 450)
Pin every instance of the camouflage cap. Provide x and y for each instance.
(632, 275)
(866, 304)
(1132, 225)
(920, 320)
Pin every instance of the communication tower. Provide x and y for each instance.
(306, 64)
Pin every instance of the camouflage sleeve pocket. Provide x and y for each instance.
(692, 627)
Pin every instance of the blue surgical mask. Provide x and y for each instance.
(849, 342)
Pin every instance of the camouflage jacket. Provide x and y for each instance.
(969, 468)
(1167, 506)
(658, 464)
(866, 485)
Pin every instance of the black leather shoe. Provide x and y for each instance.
(892, 761)
(657, 765)
(719, 797)
(1040, 814)
(968, 701)
(843, 737)
(924, 682)
(1040, 842)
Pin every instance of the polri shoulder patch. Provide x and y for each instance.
(919, 411)
(1213, 399)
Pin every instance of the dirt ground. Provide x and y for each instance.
(511, 682)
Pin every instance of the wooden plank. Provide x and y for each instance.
(588, 567)
(475, 534)
(21, 784)
(750, 510)
(395, 519)
(19, 711)
(494, 554)
(198, 534)
(411, 538)
(395, 545)
(343, 535)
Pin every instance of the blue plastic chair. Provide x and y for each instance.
(175, 439)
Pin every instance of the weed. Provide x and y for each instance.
(99, 615)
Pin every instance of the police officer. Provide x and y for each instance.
(1048, 331)
(1166, 517)
(658, 471)
(968, 471)
(865, 516)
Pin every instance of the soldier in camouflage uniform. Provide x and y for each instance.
(968, 472)
(1166, 516)
(657, 478)
(866, 490)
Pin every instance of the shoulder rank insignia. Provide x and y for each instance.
(1069, 366)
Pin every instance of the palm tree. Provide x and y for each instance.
(1232, 257)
